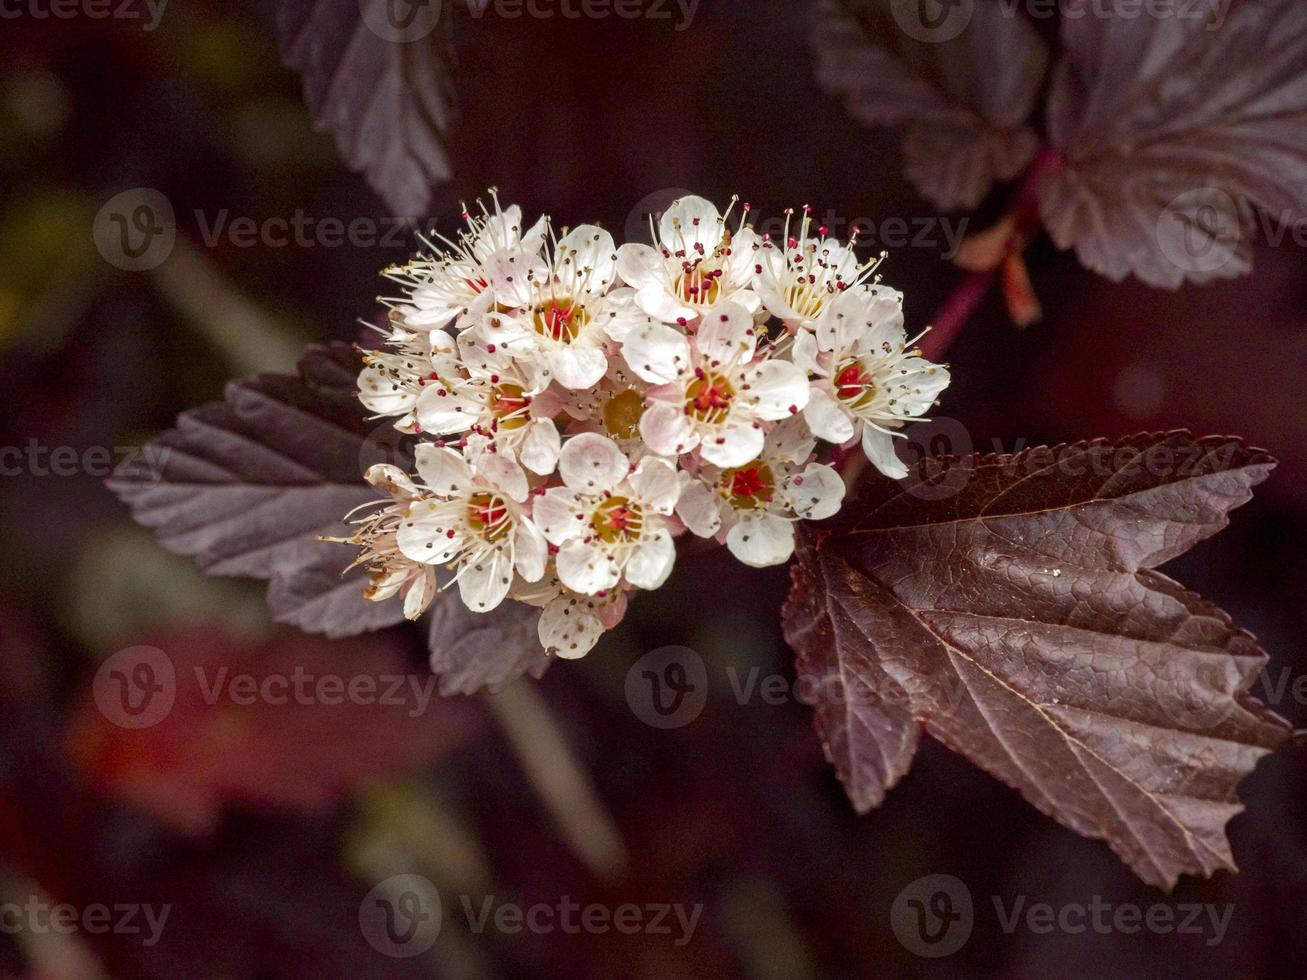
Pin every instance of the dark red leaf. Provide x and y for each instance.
(1009, 604)
(962, 89)
(1172, 128)
(246, 485)
(374, 76)
(473, 651)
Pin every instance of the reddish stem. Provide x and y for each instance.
(953, 315)
(1023, 208)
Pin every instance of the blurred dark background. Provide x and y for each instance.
(264, 828)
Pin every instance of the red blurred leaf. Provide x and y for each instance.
(246, 485)
(375, 77)
(963, 98)
(1009, 604)
(291, 724)
(1172, 128)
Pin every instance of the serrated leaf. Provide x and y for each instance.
(1009, 604)
(962, 94)
(387, 101)
(1172, 129)
(246, 485)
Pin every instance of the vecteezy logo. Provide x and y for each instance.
(1201, 230)
(135, 230)
(933, 916)
(933, 21)
(668, 687)
(930, 440)
(401, 916)
(401, 21)
(136, 687)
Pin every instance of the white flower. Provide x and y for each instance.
(756, 505)
(560, 304)
(613, 408)
(712, 391)
(390, 571)
(797, 282)
(866, 381)
(391, 382)
(475, 522)
(494, 405)
(571, 623)
(648, 390)
(695, 264)
(609, 523)
(458, 280)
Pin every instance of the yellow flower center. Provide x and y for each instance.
(510, 404)
(708, 397)
(749, 487)
(854, 385)
(487, 515)
(622, 414)
(617, 519)
(560, 319)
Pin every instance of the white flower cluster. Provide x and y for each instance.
(580, 405)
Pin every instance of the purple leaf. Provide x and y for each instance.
(1172, 129)
(472, 651)
(378, 83)
(1009, 604)
(962, 90)
(247, 484)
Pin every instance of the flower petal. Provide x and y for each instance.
(656, 352)
(429, 534)
(827, 418)
(760, 539)
(816, 493)
(381, 395)
(586, 260)
(656, 485)
(805, 353)
(443, 470)
(733, 445)
(568, 628)
(879, 448)
(640, 265)
(778, 389)
(587, 569)
(556, 514)
(666, 430)
(503, 474)
(656, 299)
(916, 383)
(391, 479)
(651, 564)
(790, 442)
(484, 581)
(419, 594)
(692, 226)
(726, 335)
(592, 463)
(699, 509)
(540, 447)
(577, 367)
(530, 552)
(442, 412)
